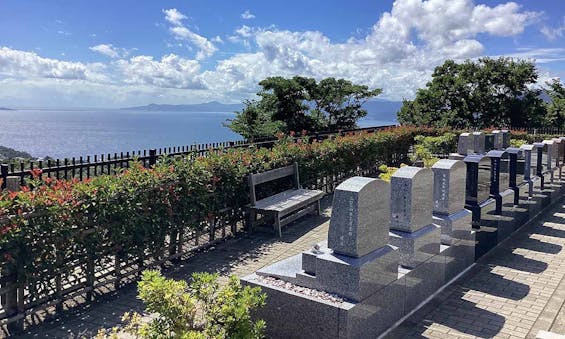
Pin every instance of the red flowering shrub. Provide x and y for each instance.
(56, 223)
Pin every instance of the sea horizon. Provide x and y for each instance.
(67, 133)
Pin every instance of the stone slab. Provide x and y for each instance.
(424, 280)
(459, 256)
(486, 235)
(284, 313)
(449, 186)
(454, 226)
(416, 247)
(507, 216)
(353, 278)
(374, 315)
(411, 199)
(360, 216)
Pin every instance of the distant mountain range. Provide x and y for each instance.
(377, 109)
(5, 109)
(213, 106)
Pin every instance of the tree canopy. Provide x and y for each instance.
(482, 93)
(300, 103)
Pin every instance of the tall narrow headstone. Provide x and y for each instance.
(514, 153)
(505, 138)
(411, 199)
(479, 142)
(489, 142)
(457, 234)
(539, 152)
(411, 223)
(549, 162)
(449, 200)
(530, 155)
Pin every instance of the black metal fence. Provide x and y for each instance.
(91, 166)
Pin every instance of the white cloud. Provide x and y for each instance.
(554, 33)
(539, 55)
(207, 48)
(397, 54)
(174, 16)
(22, 64)
(171, 71)
(181, 32)
(247, 15)
(107, 50)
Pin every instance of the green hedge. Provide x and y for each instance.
(131, 214)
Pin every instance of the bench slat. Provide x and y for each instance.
(275, 174)
(288, 200)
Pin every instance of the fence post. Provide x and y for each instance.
(10, 298)
(4, 173)
(152, 157)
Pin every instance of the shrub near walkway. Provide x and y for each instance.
(57, 236)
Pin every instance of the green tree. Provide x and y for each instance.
(556, 108)
(482, 93)
(254, 121)
(300, 103)
(338, 102)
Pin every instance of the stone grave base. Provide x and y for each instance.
(487, 234)
(416, 247)
(459, 255)
(330, 316)
(507, 218)
(352, 278)
(454, 226)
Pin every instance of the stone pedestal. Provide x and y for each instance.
(411, 228)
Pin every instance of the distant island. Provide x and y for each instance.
(213, 106)
(7, 153)
(382, 109)
(5, 109)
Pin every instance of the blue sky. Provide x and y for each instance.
(118, 53)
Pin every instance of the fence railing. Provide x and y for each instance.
(91, 166)
(80, 277)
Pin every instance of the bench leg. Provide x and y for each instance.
(318, 208)
(278, 224)
(252, 217)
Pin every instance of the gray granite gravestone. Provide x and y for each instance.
(549, 162)
(497, 139)
(457, 235)
(465, 143)
(528, 168)
(357, 260)
(449, 197)
(411, 223)
(560, 154)
(356, 227)
(505, 138)
(489, 142)
(478, 142)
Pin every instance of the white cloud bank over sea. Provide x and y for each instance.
(398, 54)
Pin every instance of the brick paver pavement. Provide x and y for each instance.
(513, 292)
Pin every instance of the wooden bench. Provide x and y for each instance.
(286, 206)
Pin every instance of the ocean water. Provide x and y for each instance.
(74, 133)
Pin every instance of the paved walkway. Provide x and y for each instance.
(514, 292)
